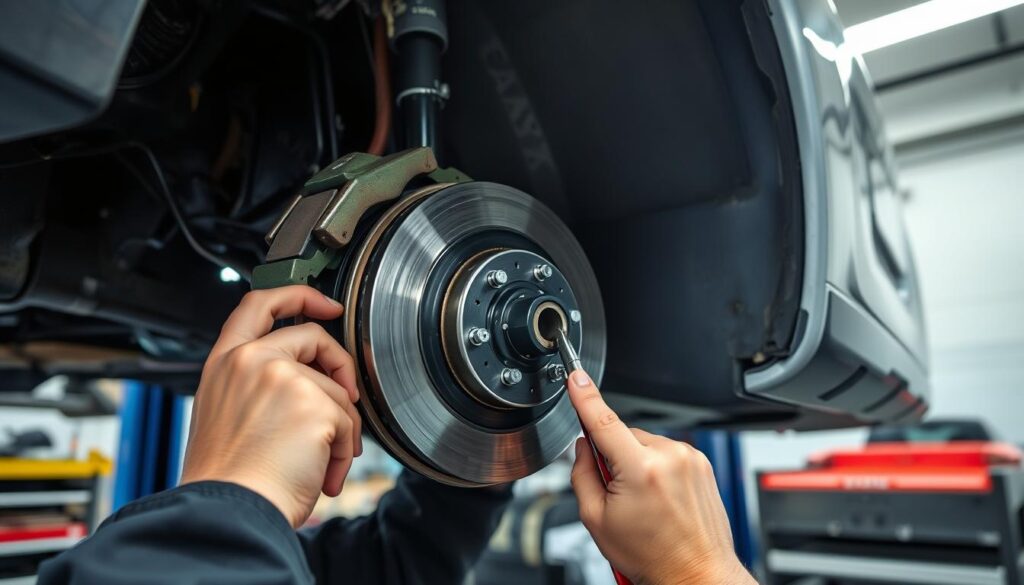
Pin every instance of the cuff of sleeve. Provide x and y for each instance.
(215, 490)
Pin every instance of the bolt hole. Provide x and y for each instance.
(477, 301)
(561, 290)
(517, 266)
(487, 364)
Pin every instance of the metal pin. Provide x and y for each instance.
(556, 372)
(570, 358)
(497, 278)
(542, 272)
(511, 376)
(479, 336)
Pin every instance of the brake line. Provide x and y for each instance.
(381, 89)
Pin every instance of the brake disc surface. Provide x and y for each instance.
(443, 298)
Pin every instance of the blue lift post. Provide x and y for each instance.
(722, 449)
(150, 444)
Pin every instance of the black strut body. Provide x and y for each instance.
(419, 38)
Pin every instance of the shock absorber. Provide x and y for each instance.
(419, 36)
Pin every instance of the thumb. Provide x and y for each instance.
(586, 482)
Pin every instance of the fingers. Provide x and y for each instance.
(586, 482)
(344, 444)
(310, 343)
(334, 478)
(645, 438)
(612, 436)
(342, 452)
(337, 394)
(255, 315)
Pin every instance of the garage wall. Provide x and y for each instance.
(965, 215)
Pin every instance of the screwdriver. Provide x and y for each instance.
(571, 359)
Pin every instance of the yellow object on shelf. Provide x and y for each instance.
(14, 468)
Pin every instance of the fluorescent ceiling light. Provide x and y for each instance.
(919, 20)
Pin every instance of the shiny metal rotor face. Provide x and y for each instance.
(447, 300)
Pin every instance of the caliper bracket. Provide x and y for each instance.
(320, 221)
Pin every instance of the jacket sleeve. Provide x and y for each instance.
(197, 534)
(422, 532)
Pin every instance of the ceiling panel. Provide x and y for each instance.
(1014, 20)
(856, 11)
(933, 50)
(948, 103)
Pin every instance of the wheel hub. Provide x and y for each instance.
(491, 331)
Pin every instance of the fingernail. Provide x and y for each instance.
(580, 378)
(579, 447)
(332, 301)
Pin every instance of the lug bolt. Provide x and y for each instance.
(543, 272)
(556, 372)
(479, 336)
(575, 316)
(497, 278)
(511, 376)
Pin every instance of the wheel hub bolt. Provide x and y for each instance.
(479, 336)
(511, 376)
(575, 316)
(556, 372)
(543, 272)
(497, 278)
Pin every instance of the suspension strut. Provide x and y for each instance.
(419, 36)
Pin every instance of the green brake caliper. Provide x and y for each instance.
(320, 221)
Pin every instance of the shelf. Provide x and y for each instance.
(30, 469)
(39, 539)
(39, 545)
(900, 571)
(41, 499)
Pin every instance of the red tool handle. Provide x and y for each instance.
(606, 476)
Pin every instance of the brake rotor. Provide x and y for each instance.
(445, 300)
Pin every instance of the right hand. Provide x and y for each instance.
(275, 410)
(661, 520)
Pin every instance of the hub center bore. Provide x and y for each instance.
(500, 316)
(548, 320)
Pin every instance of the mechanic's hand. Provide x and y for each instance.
(274, 411)
(661, 520)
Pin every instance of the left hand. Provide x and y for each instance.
(275, 410)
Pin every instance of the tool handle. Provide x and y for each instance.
(602, 463)
(606, 477)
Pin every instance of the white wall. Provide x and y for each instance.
(965, 215)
